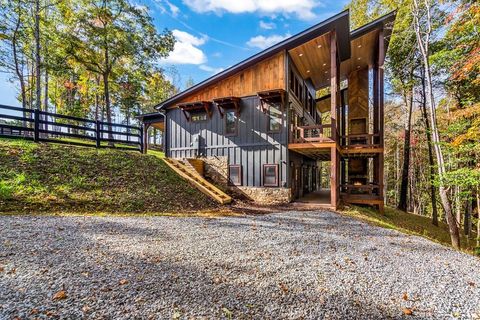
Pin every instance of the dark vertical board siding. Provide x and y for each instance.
(251, 147)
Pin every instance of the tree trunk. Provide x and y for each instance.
(478, 220)
(402, 203)
(38, 89)
(431, 164)
(18, 70)
(423, 43)
(467, 223)
(108, 110)
(97, 100)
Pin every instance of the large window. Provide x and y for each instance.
(270, 175)
(231, 122)
(274, 117)
(235, 175)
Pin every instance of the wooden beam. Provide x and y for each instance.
(334, 70)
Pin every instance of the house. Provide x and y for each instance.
(303, 119)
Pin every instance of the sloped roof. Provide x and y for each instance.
(340, 22)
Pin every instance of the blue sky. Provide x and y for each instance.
(213, 35)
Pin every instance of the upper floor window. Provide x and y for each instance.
(274, 117)
(198, 116)
(231, 122)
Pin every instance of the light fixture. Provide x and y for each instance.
(359, 46)
(324, 64)
(358, 67)
(319, 46)
(308, 71)
(359, 58)
(326, 72)
(300, 54)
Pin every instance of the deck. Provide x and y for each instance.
(316, 142)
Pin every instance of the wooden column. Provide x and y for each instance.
(144, 137)
(381, 120)
(334, 113)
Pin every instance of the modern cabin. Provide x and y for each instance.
(300, 121)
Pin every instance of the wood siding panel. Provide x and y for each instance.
(251, 148)
(265, 75)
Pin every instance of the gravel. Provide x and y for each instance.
(290, 265)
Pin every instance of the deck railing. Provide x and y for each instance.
(363, 189)
(313, 133)
(360, 140)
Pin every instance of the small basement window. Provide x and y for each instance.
(231, 122)
(270, 175)
(235, 175)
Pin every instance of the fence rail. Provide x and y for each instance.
(45, 126)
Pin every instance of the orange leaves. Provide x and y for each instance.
(123, 282)
(407, 311)
(60, 295)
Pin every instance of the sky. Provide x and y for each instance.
(213, 35)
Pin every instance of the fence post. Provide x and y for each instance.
(98, 134)
(36, 125)
(142, 142)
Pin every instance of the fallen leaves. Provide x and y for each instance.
(407, 311)
(123, 282)
(405, 296)
(60, 295)
(283, 287)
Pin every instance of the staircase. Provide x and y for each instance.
(188, 172)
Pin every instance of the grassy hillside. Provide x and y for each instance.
(410, 223)
(50, 177)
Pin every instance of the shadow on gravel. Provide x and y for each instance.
(121, 270)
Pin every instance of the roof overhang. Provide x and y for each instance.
(339, 22)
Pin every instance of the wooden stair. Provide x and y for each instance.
(188, 172)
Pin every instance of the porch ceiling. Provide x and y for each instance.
(312, 58)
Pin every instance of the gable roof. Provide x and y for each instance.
(340, 22)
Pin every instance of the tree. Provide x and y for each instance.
(422, 14)
(107, 33)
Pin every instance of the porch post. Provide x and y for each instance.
(381, 120)
(145, 137)
(334, 113)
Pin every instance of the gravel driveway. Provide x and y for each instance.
(286, 265)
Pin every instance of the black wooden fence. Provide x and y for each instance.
(37, 125)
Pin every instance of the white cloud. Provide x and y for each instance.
(302, 8)
(173, 8)
(267, 25)
(185, 50)
(263, 42)
(210, 69)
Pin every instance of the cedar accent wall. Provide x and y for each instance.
(268, 74)
(358, 96)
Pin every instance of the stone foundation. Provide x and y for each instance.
(216, 170)
(263, 195)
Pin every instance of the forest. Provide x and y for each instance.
(432, 122)
(99, 59)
